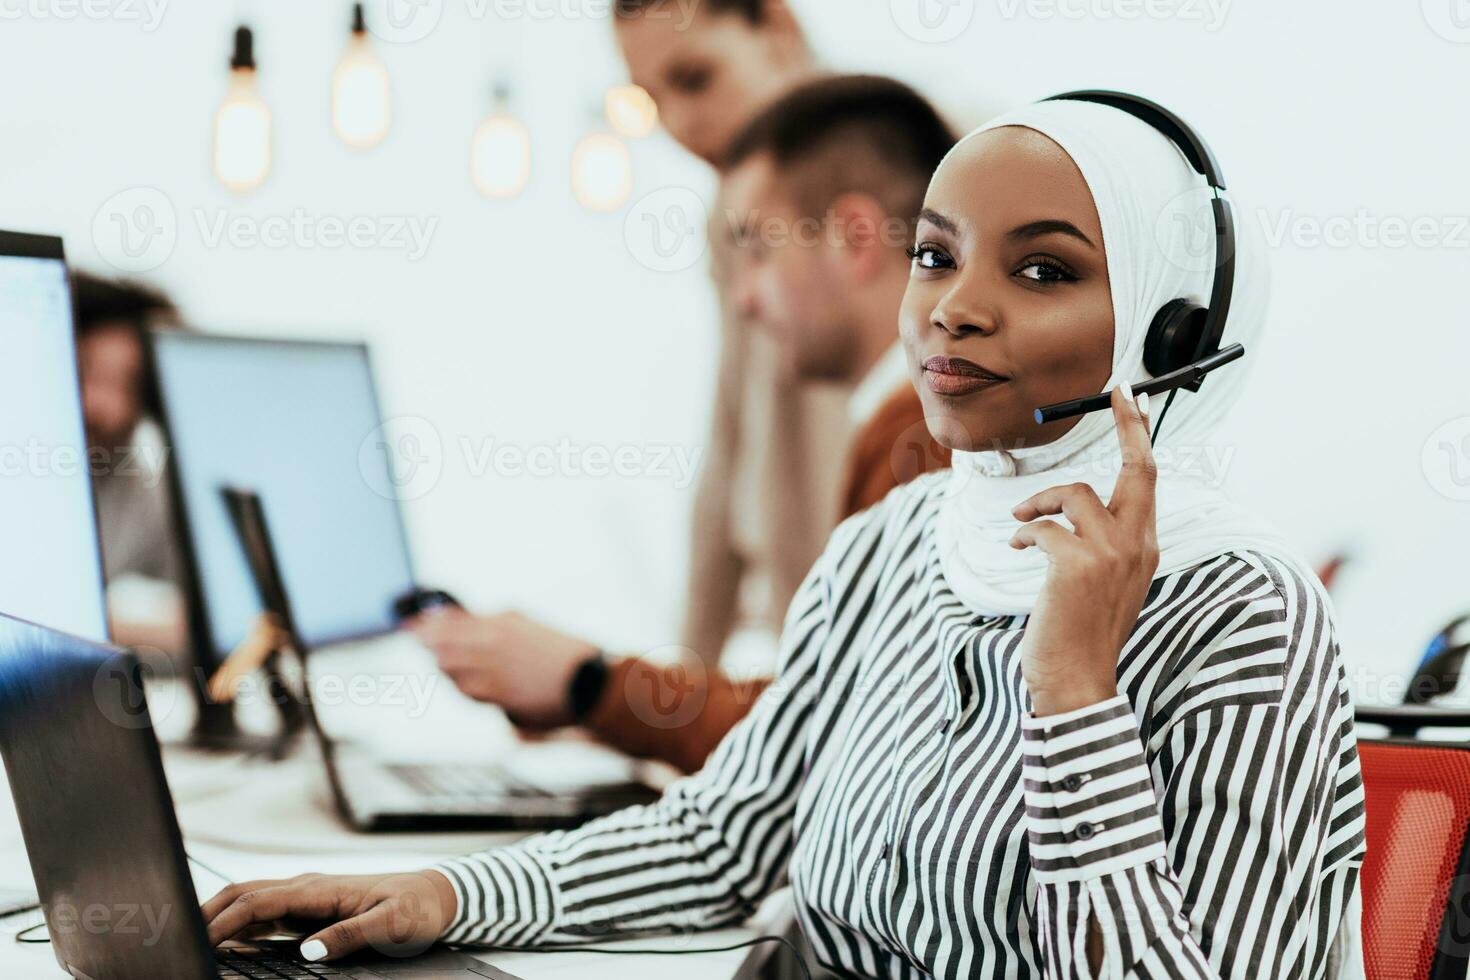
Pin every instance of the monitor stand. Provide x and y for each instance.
(215, 727)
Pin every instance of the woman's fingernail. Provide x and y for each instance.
(1127, 390)
(1143, 404)
(313, 950)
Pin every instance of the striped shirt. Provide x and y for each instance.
(1209, 818)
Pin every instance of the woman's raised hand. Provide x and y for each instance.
(1099, 572)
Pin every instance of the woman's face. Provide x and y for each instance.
(1007, 307)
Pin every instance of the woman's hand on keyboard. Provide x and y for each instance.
(394, 915)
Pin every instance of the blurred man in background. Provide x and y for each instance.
(770, 486)
(821, 190)
(127, 456)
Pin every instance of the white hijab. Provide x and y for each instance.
(1159, 238)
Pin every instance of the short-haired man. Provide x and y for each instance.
(821, 190)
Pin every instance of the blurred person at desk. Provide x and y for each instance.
(821, 190)
(127, 455)
(776, 476)
(768, 490)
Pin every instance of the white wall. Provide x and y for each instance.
(533, 321)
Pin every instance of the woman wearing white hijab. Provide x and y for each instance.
(1059, 713)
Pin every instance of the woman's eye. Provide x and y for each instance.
(1045, 272)
(930, 257)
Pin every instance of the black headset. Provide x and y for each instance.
(1183, 342)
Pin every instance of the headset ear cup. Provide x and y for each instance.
(1174, 337)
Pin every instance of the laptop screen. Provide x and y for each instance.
(298, 424)
(52, 572)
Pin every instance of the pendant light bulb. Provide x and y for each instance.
(242, 124)
(362, 110)
(500, 151)
(602, 172)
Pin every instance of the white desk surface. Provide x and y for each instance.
(262, 820)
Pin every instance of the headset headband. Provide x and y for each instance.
(1198, 153)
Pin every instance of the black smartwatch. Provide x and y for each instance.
(587, 685)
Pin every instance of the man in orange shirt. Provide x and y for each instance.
(821, 192)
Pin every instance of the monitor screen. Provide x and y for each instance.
(298, 423)
(50, 568)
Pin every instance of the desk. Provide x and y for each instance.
(255, 819)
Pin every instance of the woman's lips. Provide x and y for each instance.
(957, 376)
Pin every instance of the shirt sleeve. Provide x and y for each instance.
(703, 856)
(1228, 843)
(676, 713)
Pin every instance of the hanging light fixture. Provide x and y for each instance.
(242, 124)
(602, 170)
(631, 111)
(361, 108)
(500, 151)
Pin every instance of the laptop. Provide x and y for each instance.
(298, 422)
(99, 828)
(372, 796)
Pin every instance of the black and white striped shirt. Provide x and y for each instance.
(1210, 818)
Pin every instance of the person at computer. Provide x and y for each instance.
(765, 500)
(127, 457)
(857, 151)
(1065, 709)
(771, 487)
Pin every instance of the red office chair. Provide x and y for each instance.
(1416, 876)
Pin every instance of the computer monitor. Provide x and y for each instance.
(298, 423)
(50, 566)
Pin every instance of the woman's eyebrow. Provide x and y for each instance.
(939, 221)
(1036, 229)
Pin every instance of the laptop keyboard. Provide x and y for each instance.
(239, 966)
(460, 783)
